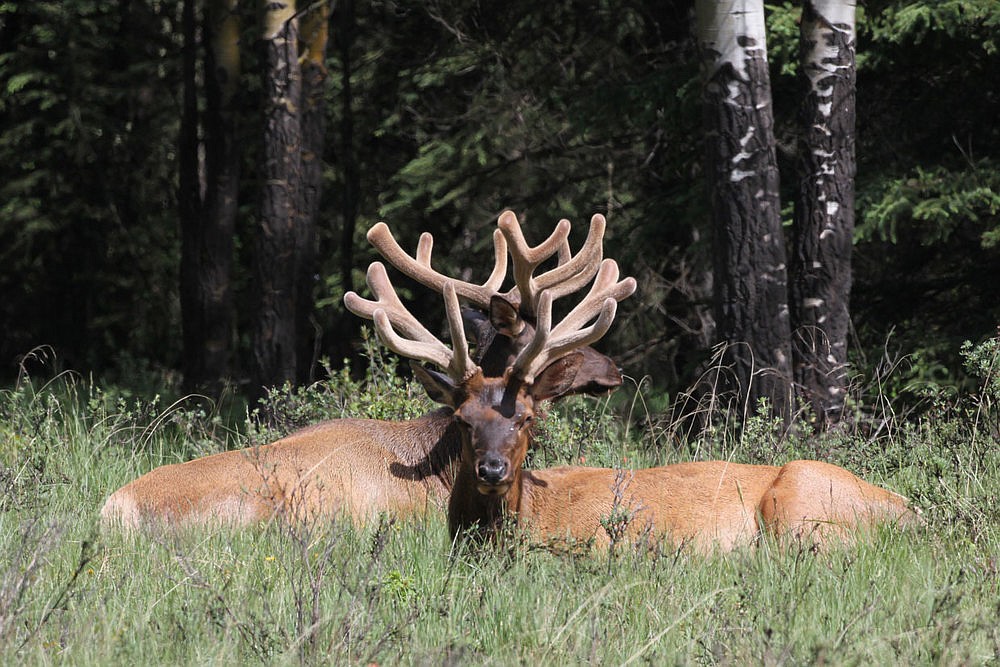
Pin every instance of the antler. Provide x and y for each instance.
(416, 342)
(532, 294)
(570, 334)
(572, 272)
(419, 266)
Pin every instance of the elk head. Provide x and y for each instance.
(494, 417)
(494, 412)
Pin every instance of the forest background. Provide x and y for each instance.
(436, 117)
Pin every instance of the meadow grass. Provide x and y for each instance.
(400, 592)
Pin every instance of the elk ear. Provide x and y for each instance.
(477, 324)
(558, 377)
(438, 386)
(504, 317)
(598, 374)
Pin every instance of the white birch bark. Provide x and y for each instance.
(824, 216)
(750, 285)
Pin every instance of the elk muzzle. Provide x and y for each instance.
(492, 474)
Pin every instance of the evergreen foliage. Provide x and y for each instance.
(87, 213)
(458, 110)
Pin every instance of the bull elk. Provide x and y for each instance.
(712, 504)
(362, 467)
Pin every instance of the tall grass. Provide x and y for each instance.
(403, 593)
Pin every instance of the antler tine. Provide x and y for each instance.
(545, 346)
(551, 343)
(416, 341)
(426, 346)
(573, 271)
(526, 259)
(419, 266)
(462, 367)
(457, 363)
(570, 276)
(606, 286)
(565, 254)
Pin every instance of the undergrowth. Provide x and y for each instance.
(400, 592)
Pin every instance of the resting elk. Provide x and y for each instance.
(710, 505)
(361, 467)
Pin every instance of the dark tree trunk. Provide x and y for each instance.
(222, 167)
(345, 34)
(278, 238)
(210, 208)
(314, 35)
(750, 291)
(189, 202)
(823, 229)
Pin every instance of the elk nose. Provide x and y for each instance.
(492, 469)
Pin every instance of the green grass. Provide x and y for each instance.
(402, 593)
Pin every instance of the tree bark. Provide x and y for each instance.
(222, 167)
(277, 245)
(189, 200)
(314, 36)
(346, 23)
(822, 234)
(209, 197)
(750, 290)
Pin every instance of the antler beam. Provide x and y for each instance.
(416, 342)
(570, 334)
(419, 268)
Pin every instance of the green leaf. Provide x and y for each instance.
(18, 82)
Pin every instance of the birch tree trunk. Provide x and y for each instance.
(823, 229)
(750, 290)
(274, 339)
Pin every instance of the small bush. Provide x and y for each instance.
(382, 394)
